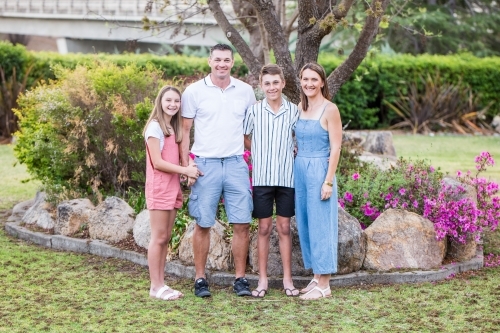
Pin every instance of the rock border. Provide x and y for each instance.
(175, 268)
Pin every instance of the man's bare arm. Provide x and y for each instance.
(187, 123)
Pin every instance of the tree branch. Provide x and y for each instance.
(279, 43)
(235, 38)
(289, 27)
(342, 9)
(342, 73)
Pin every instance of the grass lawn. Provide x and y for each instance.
(11, 176)
(450, 152)
(49, 291)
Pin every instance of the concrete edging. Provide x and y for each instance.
(102, 249)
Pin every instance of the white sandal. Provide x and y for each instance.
(312, 281)
(322, 291)
(168, 296)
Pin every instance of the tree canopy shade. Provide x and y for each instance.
(270, 23)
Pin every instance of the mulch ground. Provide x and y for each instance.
(130, 245)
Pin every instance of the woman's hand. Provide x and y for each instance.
(326, 192)
(192, 171)
(191, 181)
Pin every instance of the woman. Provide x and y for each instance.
(319, 137)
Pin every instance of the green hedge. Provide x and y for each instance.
(360, 100)
(379, 78)
(173, 65)
(13, 57)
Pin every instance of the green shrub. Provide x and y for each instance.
(82, 134)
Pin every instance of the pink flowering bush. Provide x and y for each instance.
(458, 219)
(492, 260)
(368, 192)
(418, 187)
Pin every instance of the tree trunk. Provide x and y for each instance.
(248, 17)
(253, 64)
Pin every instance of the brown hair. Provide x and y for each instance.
(271, 69)
(157, 115)
(221, 47)
(322, 74)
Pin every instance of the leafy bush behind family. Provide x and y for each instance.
(81, 135)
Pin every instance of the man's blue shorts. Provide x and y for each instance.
(228, 177)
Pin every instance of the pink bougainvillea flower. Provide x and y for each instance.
(341, 202)
(402, 191)
(348, 196)
(355, 176)
(431, 169)
(365, 195)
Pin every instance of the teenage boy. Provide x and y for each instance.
(216, 105)
(271, 123)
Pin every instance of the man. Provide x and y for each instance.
(271, 124)
(216, 105)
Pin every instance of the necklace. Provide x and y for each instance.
(313, 107)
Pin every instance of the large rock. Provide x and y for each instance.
(219, 255)
(400, 239)
(352, 244)
(351, 248)
(71, 215)
(274, 263)
(461, 252)
(41, 213)
(142, 229)
(453, 184)
(112, 220)
(20, 209)
(380, 143)
(496, 123)
(382, 162)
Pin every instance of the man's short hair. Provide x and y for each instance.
(271, 69)
(221, 47)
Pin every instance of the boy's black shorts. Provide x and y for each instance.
(265, 196)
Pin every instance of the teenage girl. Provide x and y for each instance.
(163, 192)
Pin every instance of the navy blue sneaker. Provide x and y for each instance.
(201, 288)
(241, 287)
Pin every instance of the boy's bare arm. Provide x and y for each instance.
(248, 142)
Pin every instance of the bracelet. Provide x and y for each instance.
(328, 183)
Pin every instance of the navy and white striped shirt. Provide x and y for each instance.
(272, 142)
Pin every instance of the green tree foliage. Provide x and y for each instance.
(447, 26)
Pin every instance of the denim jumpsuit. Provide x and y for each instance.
(317, 220)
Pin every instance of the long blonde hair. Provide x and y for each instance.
(322, 74)
(157, 115)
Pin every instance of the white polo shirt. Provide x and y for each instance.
(218, 116)
(272, 143)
